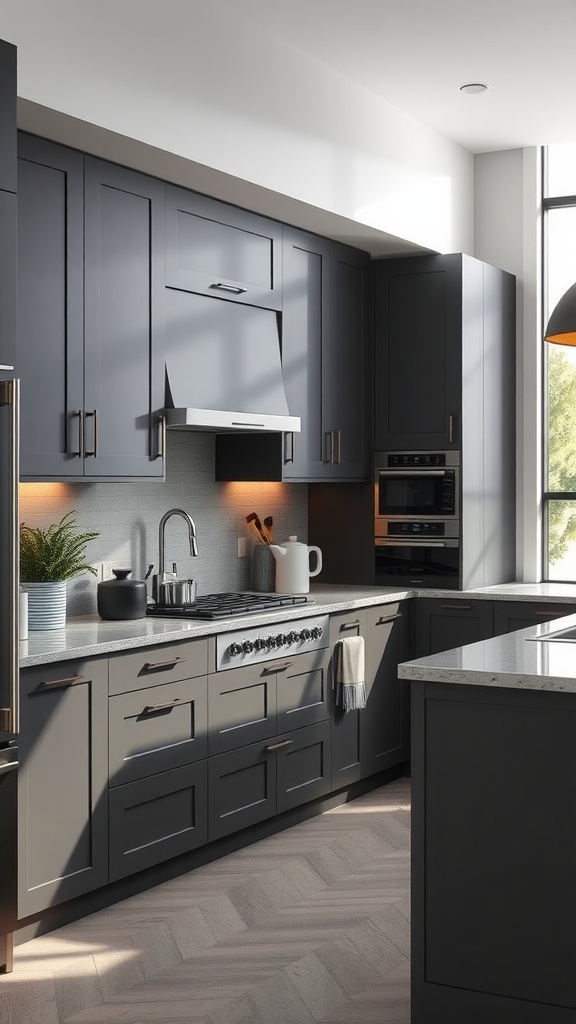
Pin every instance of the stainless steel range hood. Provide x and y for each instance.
(223, 367)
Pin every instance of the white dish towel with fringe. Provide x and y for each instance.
(350, 684)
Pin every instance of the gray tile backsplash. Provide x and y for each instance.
(127, 516)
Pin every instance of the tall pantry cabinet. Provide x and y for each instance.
(444, 380)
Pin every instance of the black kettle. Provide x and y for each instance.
(122, 598)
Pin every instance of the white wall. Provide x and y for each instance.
(197, 80)
(507, 234)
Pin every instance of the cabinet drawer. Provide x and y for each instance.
(241, 789)
(241, 707)
(157, 818)
(222, 251)
(304, 767)
(157, 728)
(302, 691)
(165, 663)
(512, 615)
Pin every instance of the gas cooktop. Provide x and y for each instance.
(221, 606)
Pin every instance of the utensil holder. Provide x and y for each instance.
(263, 569)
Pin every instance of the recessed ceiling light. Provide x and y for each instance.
(473, 87)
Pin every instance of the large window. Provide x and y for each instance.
(559, 504)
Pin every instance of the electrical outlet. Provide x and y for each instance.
(242, 547)
(107, 573)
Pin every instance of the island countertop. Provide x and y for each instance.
(519, 660)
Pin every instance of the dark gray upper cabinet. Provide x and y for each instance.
(124, 372)
(50, 308)
(63, 797)
(418, 353)
(325, 366)
(90, 273)
(222, 251)
(348, 358)
(7, 204)
(7, 116)
(305, 319)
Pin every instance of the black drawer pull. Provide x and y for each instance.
(391, 618)
(48, 684)
(270, 670)
(548, 613)
(457, 607)
(228, 288)
(150, 708)
(150, 666)
(278, 746)
(350, 625)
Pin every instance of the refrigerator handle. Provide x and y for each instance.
(10, 396)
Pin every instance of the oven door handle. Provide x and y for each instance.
(409, 471)
(417, 542)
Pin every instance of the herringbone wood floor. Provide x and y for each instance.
(308, 925)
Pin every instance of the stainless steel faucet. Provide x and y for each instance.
(191, 534)
(161, 575)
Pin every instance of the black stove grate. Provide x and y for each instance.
(221, 606)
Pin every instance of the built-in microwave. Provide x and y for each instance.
(417, 487)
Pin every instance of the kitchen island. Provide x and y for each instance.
(494, 830)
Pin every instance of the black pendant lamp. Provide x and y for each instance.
(561, 327)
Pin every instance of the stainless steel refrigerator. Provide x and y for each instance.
(9, 659)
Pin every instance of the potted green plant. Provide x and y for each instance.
(48, 558)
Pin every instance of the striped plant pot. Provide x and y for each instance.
(46, 605)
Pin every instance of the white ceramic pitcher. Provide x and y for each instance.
(293, 566)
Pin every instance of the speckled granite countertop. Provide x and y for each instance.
(89, 636)
(519, 660)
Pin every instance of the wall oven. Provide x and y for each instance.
(416, 485)
(416, 519)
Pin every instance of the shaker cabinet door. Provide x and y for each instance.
(124, 389)
(63, 775)
(50, 309)
(222, 251)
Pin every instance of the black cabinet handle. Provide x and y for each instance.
(150, 666)
(328, 446)
(289, 434)
(270, 670)
(456, 607)
(168, 706)
(391, 618)
(80, 415)
(228, 288)
(94, 452)
(161, 445)
(49, 684)
(350, 625)
(278, 746)
(336, 447)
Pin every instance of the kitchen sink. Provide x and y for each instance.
(568, 635)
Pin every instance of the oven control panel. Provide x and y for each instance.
(264, 643)
(416, 529)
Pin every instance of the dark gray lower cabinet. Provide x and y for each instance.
(377, 737)
(63, 795)
(444, 623)
(348, 728)
(388, 698)
(256, 782)
(241, 789)
(493, 852)
(511, 615)
(304, 769)
(156, 728)
(156, 818)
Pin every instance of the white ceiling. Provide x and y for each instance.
(416, 54)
